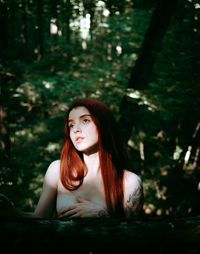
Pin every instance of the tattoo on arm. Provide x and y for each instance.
(103, 214)
(134, 201)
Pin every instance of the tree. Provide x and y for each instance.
(143, 70)
(180, 235)
(3, 28)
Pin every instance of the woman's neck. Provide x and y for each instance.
(92, 163)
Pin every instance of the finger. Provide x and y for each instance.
(76, 215)
(68, 213)
(67, 208)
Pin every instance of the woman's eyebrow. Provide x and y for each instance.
(70, 120)
(85, 115)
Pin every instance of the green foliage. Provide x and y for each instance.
(43, 71)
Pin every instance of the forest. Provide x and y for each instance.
(139, 57)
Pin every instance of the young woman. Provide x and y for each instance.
(91, 179)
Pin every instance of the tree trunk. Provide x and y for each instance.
(89, 7)
(67, 17)
(6, 80)
(3, 29)
(178, 235)
(24, 30)
(40, 43)
(142, 73)
(143, 70)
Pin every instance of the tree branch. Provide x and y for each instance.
(93, 235)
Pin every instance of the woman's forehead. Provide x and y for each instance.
(78, 111)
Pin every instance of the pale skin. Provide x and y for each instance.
(89, 199)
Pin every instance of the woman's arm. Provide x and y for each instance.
(47, 202)
(133, 194)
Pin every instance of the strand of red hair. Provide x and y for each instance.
(112, 156)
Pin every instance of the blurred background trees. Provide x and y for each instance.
(141, 58)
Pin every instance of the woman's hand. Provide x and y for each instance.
(83, 209)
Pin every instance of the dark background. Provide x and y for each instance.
(141, 58)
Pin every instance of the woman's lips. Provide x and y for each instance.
(79, 139)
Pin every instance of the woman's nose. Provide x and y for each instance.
(76, 128)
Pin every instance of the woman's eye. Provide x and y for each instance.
(71, 126)
(86, 120)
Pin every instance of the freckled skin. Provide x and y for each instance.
(81, 125)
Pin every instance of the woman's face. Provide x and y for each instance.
(83, 131)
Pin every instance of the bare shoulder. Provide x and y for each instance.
(131, 180)
(52, 173)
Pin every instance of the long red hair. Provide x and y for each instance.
(112, 156)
